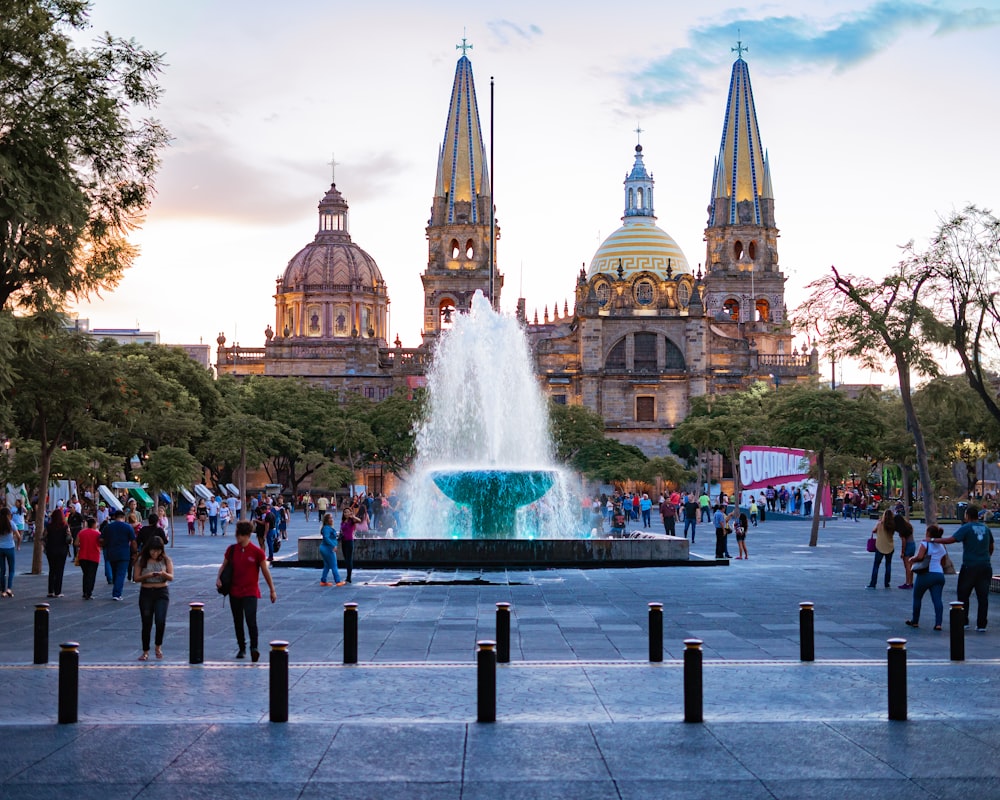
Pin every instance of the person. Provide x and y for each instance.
(260, 525)
(249, 563)
(705, 505)
(762, 507)
(772, 497)
(690, 515)
(56, 539)
(118, 543)
(153, 571)
(907, 546)
(753, 511)
(322, 504)
(225, 515)
(668, 513)
(348, 525)
(328, 552)
(10, 541)
(977, 547)
(212, 507)
(807, 502)
(645, 505)
(741, 536)
(201, 514)
(884, 547)
(282, 513)
(190, 520)
(719, 521)
(148, 531)
(635, 505)
(163, 523)
(929, 579)
(307, 505)
(619, 517)
(88, 550)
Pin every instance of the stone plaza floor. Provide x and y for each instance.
(581, 713)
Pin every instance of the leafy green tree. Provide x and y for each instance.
(668, 470)
(609, 461)
(168, 467)
(873, 321)
(351, 435)
(393, 422)
(246, 441)
(77, 158)
(824, 421)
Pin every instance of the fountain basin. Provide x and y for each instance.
(493, 496)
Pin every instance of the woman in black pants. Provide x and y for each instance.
(57, 539)
(153, 570)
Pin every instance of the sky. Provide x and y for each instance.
(879, 119)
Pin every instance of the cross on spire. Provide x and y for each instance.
(333, 168)
(739, 49)
(638, 133)
(463, 46)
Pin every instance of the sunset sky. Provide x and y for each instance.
(878, 118)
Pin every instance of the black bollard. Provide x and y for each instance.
(503, 633)
(69, 682)
(693, 689)
(656, 632)
(41, 633)
(807, 633)
(486, 681)
(897, 679)
(196, 633)
(350, 633)
(956, 624)
(279, 681)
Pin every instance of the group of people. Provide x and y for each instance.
(216, 512)
(927, 564)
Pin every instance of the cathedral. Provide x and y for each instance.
(645, 335)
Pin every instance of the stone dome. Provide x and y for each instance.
(639, 246)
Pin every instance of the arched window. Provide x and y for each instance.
(616, 358)
(641, 198)
(603, 292)
(470, 250)
(752, 250)
(732, 309)
(454, 248)
(674, 357)
(737, 250)
(644, 356)
(631, 198)
(447, 312)
(763, 310)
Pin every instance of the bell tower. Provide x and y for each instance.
(462, 230)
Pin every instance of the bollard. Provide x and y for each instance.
(69, 682)
(692, 680)
(897, 679)
(196, 633)
(41, 633)
(956, 623)
(486, 681)
(656, 632)
(350, 633)
(807, 633)
(503, 633)
(279, 681)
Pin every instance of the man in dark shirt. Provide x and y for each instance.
(690, 515)
(976, 572)
(148, 531)
(118, 542)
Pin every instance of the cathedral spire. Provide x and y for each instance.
(462, 173)
(741, 180)
(638, 190)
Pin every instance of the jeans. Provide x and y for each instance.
(888, 568)
(6, 568)
(934, 582)
(645, 519)
(153, 606)
(89, 569)
(692, 523)
(119, 570)
(975, 576)
(107, 569)
(329, 556)
(57, 564)
(271, 536)
(347, 548)
(244, 608)
(706, 515)
(213, 524)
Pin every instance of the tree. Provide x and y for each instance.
(169, 467)
(352, 436)
(869, 320)
(824, 421)
(393, 422)
(76, 159)
(246, 440)
(668, 470)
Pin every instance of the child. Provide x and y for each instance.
(753, 511)
(190, 521)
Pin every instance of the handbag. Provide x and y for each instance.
(947, 565)
(226, 576)
(871, 544)
(924, 564)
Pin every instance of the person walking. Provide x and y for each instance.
(118, 542)
(56, 540)
(153, 571)
(88, 550)
(249, 563)
(668, 513)
(10, 542)
(884, 548)
(690, 515)
(201, 513)
(929, 576)
(645, 504)
(212, 507)
(741, 536)
(753, 511)
(348, 525)
(328, 552)
(977, 547)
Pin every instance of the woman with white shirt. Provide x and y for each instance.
(930, 578)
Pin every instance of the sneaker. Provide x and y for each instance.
(255, 656)
(980, 630)
(937, 627)
(870, 586)
(340, 583)
(912, 624)
(115, 597)
(906, 586)
(242, 653)
(325, 583)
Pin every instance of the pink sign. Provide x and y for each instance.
(761, 467)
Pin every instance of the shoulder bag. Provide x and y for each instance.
(226, 577)
(871, 543)
(947, 565)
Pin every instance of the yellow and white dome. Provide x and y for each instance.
(639, 246)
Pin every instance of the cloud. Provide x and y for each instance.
(508, 33)
(838, 42)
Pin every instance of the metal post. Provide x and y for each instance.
(350, 633)
(69, 682)
(486, 681)
(656, 632)
(503, 633)
(279, 681)
(196, 633)
(693, 689)
(956, 624)
(41, 633)
(807, 632)
(897, 679)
